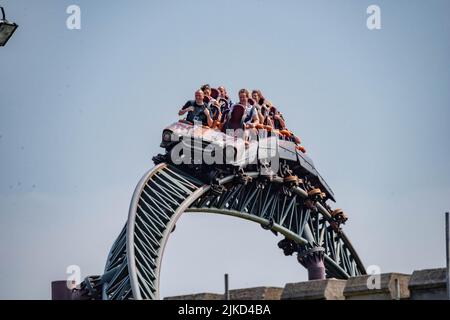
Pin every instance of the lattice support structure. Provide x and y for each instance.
(164, 193)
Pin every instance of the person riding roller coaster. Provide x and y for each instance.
(197, 110)
(251, 118)
(213, 108)
(218, 104)
(277, 119)
(261, 105)
(223, 97)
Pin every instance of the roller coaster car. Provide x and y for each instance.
(204, 140)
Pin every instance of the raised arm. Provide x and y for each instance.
(183, 110)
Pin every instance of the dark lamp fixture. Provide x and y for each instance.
(6, 29)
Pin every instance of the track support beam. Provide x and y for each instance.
(313, 260)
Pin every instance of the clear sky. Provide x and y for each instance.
(81, 115)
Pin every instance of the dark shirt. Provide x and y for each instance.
(198, 114)
(277, 124)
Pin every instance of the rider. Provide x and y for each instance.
(277, 119)
(262, 105)
(251, 118)
(224, 95)
(206, 88)
(197, 110)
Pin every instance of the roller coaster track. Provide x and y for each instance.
(165, 192)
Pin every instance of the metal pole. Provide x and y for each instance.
(227, 291)
(397, 289)
(447, 247)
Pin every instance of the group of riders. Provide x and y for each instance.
(213, 108)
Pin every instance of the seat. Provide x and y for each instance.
(215, 112)
(223, 103)
(236, 118)
(273, 110)
(214, 93)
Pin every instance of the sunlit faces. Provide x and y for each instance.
(243, 97)
(199, 96)
(222, 91)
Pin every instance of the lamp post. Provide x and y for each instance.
(227, 290)
(447, 252)
(6, 29)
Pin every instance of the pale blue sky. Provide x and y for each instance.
(81, 114)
